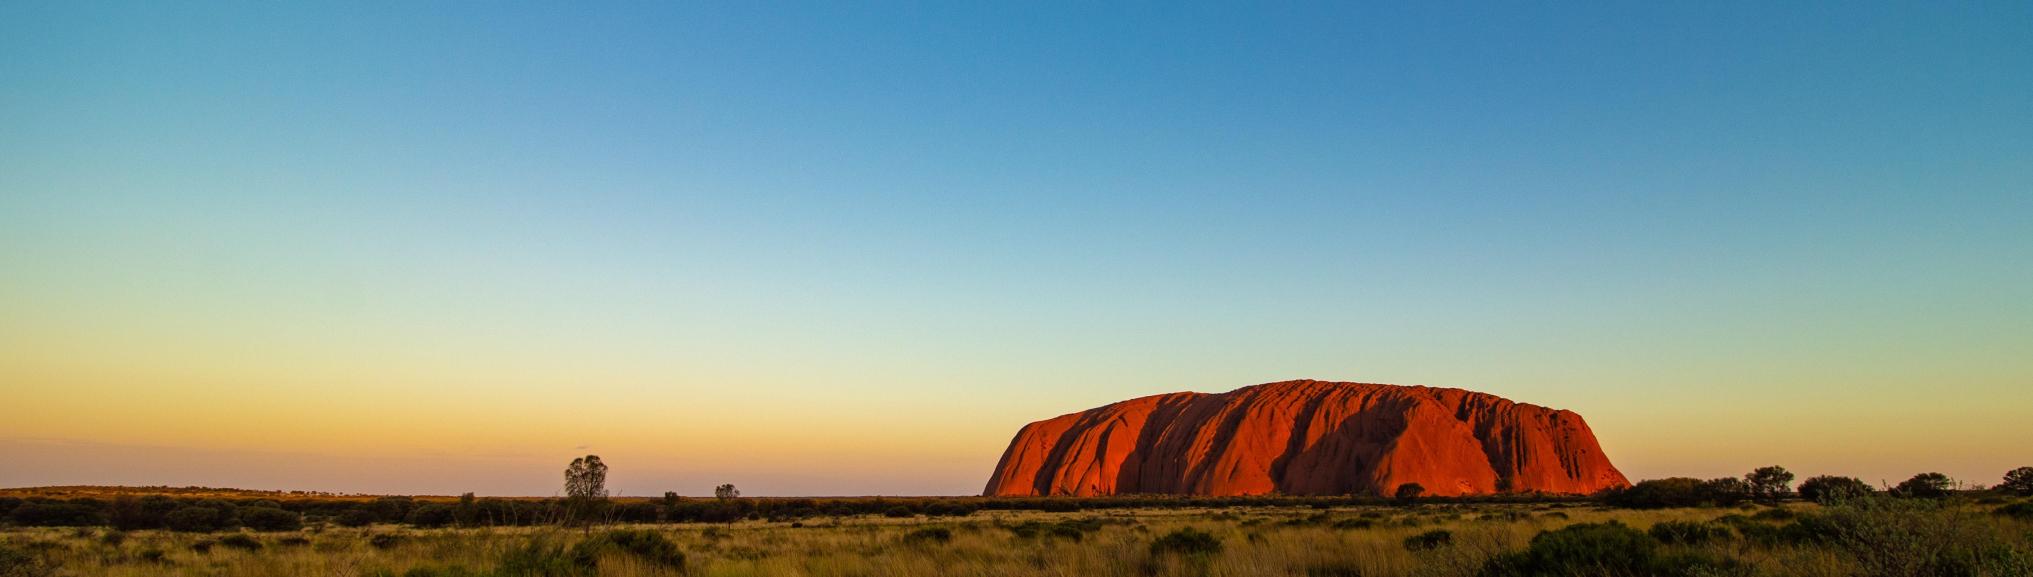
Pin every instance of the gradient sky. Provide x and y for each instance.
(421, 247)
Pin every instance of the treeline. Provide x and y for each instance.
(214, 514)
(207, 514)
(1773, 484)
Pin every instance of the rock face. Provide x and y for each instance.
(1307, 438)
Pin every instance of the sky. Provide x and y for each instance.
(850, 248)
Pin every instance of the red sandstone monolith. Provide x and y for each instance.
(1307, 438)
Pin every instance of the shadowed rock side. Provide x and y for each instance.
(1307, 438)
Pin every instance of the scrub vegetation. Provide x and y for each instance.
(1667, 527)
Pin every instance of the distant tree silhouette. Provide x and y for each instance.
(469, 510)
(1827, 489)
(1768, 484)
(726, 491)
(585, 489)
(2018, 481)
(1925, 486)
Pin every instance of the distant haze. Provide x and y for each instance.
(847, 250)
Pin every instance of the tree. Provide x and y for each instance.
(586, 478)
(1768, 484)
(585, 489)
(1828, 489)
(726, 491)
(1725, 491)
(670, 505)
(2019, 481)
(468, 514)
(1409, 492)
(1925, 486)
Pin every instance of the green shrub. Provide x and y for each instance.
(539, 558)
(898, 512)
(384, 541)
(930, 536)
(194, 520)
(293, 541)
(203, 546)
(111, 539)
(1595, 549)
(240, 541)
(156, 556)
(1187, 541)
(270, 519)
(57, 514)
(1434, 539)
(646, 545)
(2020, 511)
(1688, 532)
(17, 563)
(1913, 538)
(433, 515)
(356, 517)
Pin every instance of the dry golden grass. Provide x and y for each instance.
(1255, 542)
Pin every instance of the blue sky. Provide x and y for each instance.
(929, 224)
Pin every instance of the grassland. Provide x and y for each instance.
(1960, 538)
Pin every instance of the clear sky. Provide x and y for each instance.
(441, 247)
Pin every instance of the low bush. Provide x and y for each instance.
(194, 520)
(2020, 511)
(203, 546)
(1688, 532)
(1429, 540)
(1598, 549)
(1187, 541)
(646, 545)
(384, 541)
(1355, 524)
(356, 517)
(57, 514)
(241, 541)
(899, 512)
(270, 519)
(1909, 538)
(929, 536)
(539, 558)
(433, 515)
(17, 563)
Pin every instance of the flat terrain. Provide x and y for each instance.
(1796, 539)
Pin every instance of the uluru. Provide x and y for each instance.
(1307, 438)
